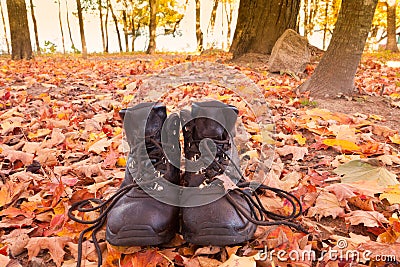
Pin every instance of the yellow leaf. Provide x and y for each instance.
(121, 162)
(395, 139)
(39, 133)
(257, 138)
(128, 99)
(392, 194)
(300, 139)
(375, 117)
(344, 144)
(395, 95)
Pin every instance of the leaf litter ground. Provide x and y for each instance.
(61, 141)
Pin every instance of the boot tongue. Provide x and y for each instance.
(144, 120)
(213, 119)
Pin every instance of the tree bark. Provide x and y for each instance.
(19, 29)
(261, 22)
(35, 27)
(335, 73)
(69, 26)
(106, 28)
(199, 33)
(152, 27)
(81, 29)
(229, 22)
(5, 29)
(133, 33)
(213, 17)
(125, 21)
(100, 7)
(116, 25)
(61, 26)
(325, 25)
(391, 26)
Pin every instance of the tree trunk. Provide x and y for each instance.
(106, 28)
(125, 21)
(335, 73)
(100, 7)
(229, 22)
(152, 27)
(20, 37)
(199, 33)
(133, 33)
(61, 26)
(69, 27)
(81, 29)
(35, 27)
(325, 25)
(261, 22)
(5, 29)
(391, 26)
(213, 17)
(116, 26)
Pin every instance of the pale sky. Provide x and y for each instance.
(46, 12)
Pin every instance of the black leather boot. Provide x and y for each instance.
(140, 217)
(218, 222)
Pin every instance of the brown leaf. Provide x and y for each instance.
(235, 261)
(12, 155)
(210, 250)
(297, 152)
(368, 218)
(100, 146)
(326, 205)
(342, 191)
(55, 245)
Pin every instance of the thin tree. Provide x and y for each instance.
(152, 27)
(69, 26)
(116, 25)
(125, 21)
(391, 26)
(229, 16)
(5, 29)
(81, 28)
(199, 33)
(61, 26)
(35, 27)
(335, 73)
(20, 37)
(106, 27)
(261, 22)
(213, 17)
(100, 8)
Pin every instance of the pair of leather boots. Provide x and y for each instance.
(161, 200)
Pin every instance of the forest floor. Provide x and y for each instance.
(61, 140)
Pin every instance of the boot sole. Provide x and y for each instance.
(220, 236)
(139, 235)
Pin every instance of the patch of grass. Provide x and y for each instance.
(307, 103)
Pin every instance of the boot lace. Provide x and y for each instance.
(258, 213)
(156, 156)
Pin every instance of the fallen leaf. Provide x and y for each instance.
(392, 194)
(12, 155)
(342, 191)
(368, 218)
(297, 152)
(326, 205)
(235, 261)
(357, 170)
(343, 144)
(100, 146)
(55, 245)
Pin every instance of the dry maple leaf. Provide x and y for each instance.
(326, 205)
(235, 261)
(342, 191)
(55, 245)
(12, 155)
(368, 218)
(297, 152)
(100, 146)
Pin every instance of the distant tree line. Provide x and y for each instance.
(348, 23)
